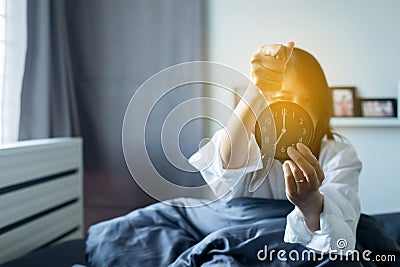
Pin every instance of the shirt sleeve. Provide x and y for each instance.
(341, 211)
(208, 161)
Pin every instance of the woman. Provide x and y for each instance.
(321, 181)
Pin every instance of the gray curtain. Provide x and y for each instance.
(85, 60)
(48, 100)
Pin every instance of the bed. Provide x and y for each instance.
(144, 237)
(41, 222)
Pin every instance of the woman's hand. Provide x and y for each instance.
(303, 177)
(268, 65)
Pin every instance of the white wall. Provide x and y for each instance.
(356, 43)
(380, 179)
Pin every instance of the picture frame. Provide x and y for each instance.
(344, 102)
(378, 107)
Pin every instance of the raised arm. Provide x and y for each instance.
(236, 137)
(267, 68)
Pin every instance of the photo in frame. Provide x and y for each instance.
(344, 102)
(379, 107)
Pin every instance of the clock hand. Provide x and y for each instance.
(284, 122)
(283, 131)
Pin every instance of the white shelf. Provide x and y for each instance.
(365, 122)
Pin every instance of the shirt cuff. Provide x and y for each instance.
(334, 236)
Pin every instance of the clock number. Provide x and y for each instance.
(292, 125)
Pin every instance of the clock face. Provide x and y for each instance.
(293, 125)
(265, 135)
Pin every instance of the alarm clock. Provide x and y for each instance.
(265, 136)
(293, 125)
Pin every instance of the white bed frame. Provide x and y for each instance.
(41, 194)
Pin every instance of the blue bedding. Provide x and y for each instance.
(241, 232)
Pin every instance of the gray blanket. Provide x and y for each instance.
(241, 232)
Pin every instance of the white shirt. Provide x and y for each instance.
(339, 218)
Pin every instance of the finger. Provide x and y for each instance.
(281, 54)
(267, 85)
(306, 152)
(267, 50)
(291, 187)
(260, 70)
(298, 177)
(269, 62)
(289, 51)
(271, 50)
(302, 163)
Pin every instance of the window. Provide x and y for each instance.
(2, 57)
(13, 39)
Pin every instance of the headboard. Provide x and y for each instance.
(41, 197)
